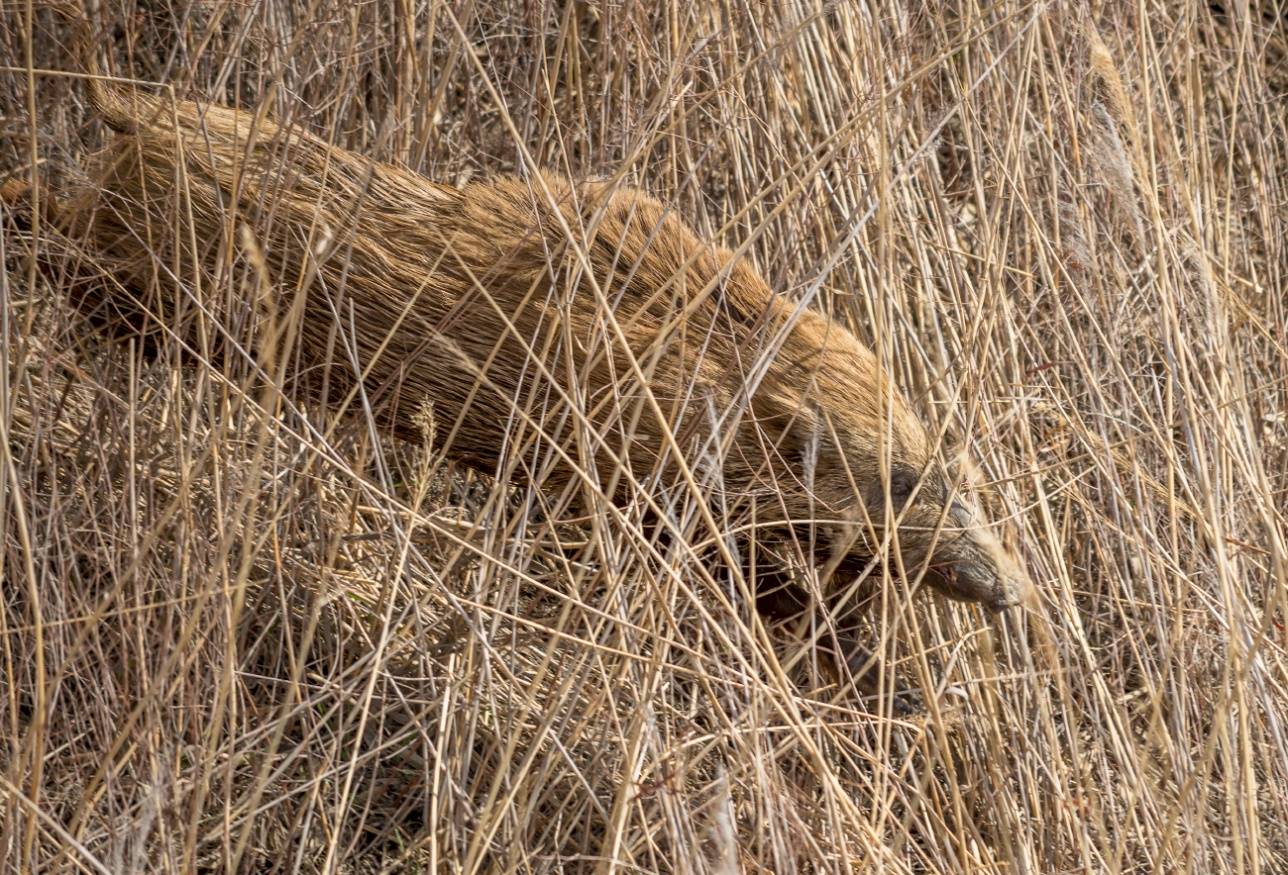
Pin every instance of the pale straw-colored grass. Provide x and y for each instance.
(241, 634)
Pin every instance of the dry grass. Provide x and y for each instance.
(241, 634)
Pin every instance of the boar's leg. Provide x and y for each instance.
(778, 597)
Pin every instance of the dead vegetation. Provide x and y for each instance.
(243, 633)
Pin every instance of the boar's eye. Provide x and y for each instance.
(902, 481)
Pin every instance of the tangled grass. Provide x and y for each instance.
(240, 633)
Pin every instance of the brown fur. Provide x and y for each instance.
(579, 327)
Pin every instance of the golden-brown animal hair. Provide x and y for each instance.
(580, 330)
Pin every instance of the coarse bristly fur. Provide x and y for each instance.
(580, 327)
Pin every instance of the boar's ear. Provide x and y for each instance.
(808, 443)
(798, 438)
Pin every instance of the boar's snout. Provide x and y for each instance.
(970, 563)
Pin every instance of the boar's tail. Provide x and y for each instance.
(118, 111)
